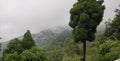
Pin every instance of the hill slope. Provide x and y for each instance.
(48, 38)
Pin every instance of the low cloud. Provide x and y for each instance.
(17, 16)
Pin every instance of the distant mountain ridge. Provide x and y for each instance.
(48, 37)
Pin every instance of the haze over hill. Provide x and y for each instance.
(18, 16)
(48, 37)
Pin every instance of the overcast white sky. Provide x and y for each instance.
(17, 16)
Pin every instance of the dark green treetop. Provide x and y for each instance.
(12, 57)
(13, 46)
(27, 41)
(86, 15)
(33, 54)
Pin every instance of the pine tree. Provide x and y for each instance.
(27, 41)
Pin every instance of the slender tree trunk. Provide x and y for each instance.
(84, 51)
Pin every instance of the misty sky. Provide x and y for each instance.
(17, 16)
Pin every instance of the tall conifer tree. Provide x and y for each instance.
(28, 41)
(85, 16)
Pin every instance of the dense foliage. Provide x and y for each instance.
(27, 41)
(113, 28)
(24, 50)
(86, 15)
(13, 46)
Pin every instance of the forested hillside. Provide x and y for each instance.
(81, 42)
(48, 37)
(60, 46)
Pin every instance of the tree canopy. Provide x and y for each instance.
(86, 15)
(113, 28)
(13, 46)
(27, 41)
(33, 54)
(24, 50)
